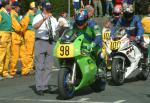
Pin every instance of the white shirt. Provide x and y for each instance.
(39, 17)
(64, 21)
(75, 0)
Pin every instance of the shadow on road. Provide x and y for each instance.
(128, 80)
(53, 89)
(148, 95)
(82, 92)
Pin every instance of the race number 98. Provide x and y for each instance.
(64, 50)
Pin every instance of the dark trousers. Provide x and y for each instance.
(43, 63)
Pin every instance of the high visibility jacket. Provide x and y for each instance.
(5, 20)
(15, 21)
(146, 24)
(27, 20)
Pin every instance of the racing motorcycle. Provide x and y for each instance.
(78, 66)
(126, 58)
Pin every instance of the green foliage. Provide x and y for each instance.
(58, 6)
(141, 6)
(25, 4)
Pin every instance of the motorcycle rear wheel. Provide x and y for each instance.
(66, 89)
(117, 71)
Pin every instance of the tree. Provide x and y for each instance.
(58, 6)
(141, 6)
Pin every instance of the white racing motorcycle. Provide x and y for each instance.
(126, 58)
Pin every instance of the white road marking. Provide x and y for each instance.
(20, 97)
(119, 101)
(50, 101)
(55, 70)
(83, 99)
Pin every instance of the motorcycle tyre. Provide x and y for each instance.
(61, 84)
(114, 72)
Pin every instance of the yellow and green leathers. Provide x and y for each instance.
(29, 37)
(17, 46)
(5, 41)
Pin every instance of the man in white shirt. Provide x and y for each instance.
(45, 25)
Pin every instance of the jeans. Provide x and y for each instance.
(109, 5)
(99, 5)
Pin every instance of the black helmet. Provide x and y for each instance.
(128, 11)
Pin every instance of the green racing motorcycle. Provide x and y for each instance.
(78, 66)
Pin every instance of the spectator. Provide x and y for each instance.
(44, 25)
(76, 5)
(146, 22)
(29, 35)
(91, 22)
(63, 23)
(90, 10)
(17, 45)
(146, 26)
(85, 3)
(97, 3)
(129, 1)
(109, 5)
(117, 12)
(5, 39)
(118, 2)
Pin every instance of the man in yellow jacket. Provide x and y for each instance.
(29, 36)
(5, 39)
(17, 46)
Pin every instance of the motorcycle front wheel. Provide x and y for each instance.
(117, 71)
(66, 89)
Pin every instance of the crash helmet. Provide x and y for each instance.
(128, 11)
(81, 17)
(117, 10)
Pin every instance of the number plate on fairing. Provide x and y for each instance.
(106, 36)
(114, 45)
(65, 51)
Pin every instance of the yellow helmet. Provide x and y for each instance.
(32, 5)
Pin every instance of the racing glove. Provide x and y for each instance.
(138, 39)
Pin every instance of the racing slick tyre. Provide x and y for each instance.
(117, 71)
